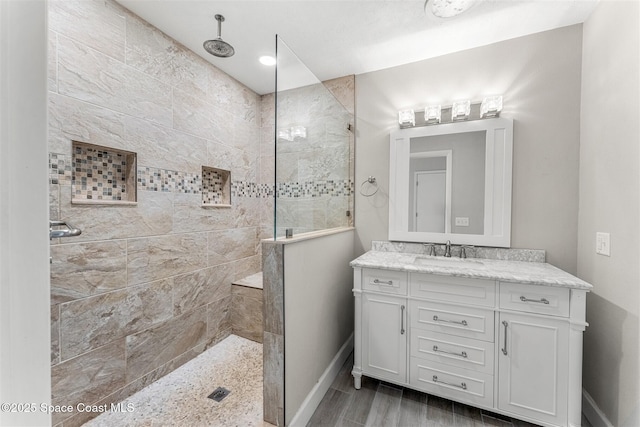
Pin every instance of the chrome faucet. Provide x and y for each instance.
(447, 249)
(431, 249)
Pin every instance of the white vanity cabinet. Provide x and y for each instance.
(384, 324)
(511, 348)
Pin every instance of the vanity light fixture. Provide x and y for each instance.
(460, 110)
(432, 114)
(491, 106)
(406, 118)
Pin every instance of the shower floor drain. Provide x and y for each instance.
(219, 394)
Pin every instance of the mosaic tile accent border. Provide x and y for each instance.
(164, 180)
(316, 188)
(59, 169)
(102, 174)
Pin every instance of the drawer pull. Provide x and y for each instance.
(462, 385)
(383, 282)
(462, 322)
(506, 325)
(402, 320)
(539, 301)
(463, 354)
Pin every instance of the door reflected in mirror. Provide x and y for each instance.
(447, 174)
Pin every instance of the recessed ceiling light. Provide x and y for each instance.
(267, 60)
(447, 8)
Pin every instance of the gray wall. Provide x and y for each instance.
(539, 77)
(318, 311)
(609, 202)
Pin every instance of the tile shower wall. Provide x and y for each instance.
(314, 182)
(146, 287)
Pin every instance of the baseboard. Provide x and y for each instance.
(313, 399)
(592, 412)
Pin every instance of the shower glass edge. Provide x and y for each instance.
(313, 188)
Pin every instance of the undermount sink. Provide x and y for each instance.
(447, 262)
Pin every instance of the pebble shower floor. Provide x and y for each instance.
(181, 397)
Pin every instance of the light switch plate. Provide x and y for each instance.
(603, 244)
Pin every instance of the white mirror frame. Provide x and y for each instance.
(498, 175)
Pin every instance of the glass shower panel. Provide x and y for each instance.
(314, 140)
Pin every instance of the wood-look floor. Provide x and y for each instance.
(382, 404)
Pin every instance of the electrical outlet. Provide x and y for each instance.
(462, 221)
(603, 244)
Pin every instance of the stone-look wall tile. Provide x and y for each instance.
(54, 202)
(266, 215)
(52, 63)
(154, 258)
(267, 174)
(218, 320)
(246, 312)
(152, 348)
(246, 135)
(343, 88)
(151, 217)
(85, 379)
(89, 323)
(273, 287)
(194, 115)
(152, 52)
(242, 164)
(202, 287)
(220, 88)
(273, 385)
(156, 146)
(337, 211)
(98, 24)
(246, 267)
(84, 269)
(88, 75)
(246, 211)
(55, 334)
(190, 216)
(233, 244)
(267, 110)
(71, 119)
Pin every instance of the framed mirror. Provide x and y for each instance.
(452, 182)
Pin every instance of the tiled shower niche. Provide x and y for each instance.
(216, 187)
(102, 175)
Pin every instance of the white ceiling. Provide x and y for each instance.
(338, 38)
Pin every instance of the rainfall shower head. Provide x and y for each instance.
(219, 47)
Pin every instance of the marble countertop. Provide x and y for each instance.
(537, 273)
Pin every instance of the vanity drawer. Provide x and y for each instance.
(453, 289)
(535, 299)
(454, 383)
(387, 281)
(462, 321)
(451, 350)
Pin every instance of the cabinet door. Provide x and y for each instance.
(384, 337)
(533, 367)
